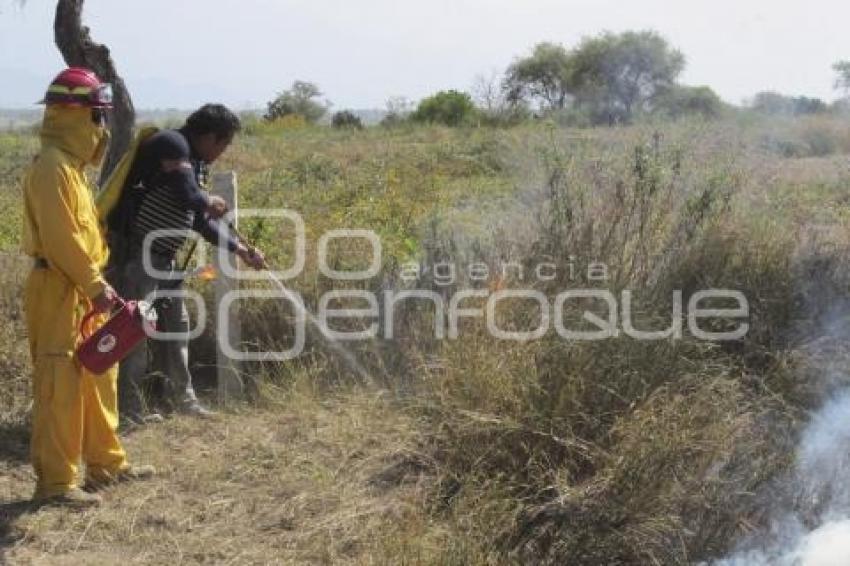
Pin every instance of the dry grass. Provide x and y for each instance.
(627, 452)
(478, 450)
(341, 480)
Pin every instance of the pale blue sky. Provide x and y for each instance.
(184, 52)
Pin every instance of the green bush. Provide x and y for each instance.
(299, 100)
(773, 103)
(506, 116)
(572, 118)
(392, 120)
(807, 136)
(448, 107)
(680, 101)
(346, 119)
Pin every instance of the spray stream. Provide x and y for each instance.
(341, 351)
(344, 354)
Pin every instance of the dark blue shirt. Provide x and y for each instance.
(155, 199)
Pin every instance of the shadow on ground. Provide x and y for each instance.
(10, 534)
(14, 442)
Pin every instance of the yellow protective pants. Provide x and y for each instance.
(75, 413)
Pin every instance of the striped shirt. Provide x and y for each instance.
(157, 199)
(160, 210)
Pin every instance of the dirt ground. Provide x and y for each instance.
(329, 482)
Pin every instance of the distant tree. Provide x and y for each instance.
(774, 103)
(80, 50)
(678, 101)
(842, 81)
(770, 102)
(398, 110)
(300, 99)
(615, 76)
(448, 107)
(494, 107)
(400, 105)
(346, 119)
(609, 77)
(544, 77)
(807, 105)
(487, 92)
(841, 106)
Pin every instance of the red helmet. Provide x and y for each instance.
(77, 86)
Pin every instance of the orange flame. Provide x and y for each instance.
(496, 284)
(207, 273)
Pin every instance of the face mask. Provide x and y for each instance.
(102, 144)
(99, 117)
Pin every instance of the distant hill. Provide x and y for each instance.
(17, 118)
(370, 116)
(11, 119)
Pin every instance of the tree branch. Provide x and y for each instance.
(79, 50)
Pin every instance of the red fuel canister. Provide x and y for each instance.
(113, 341)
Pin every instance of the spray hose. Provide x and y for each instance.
(344, 354)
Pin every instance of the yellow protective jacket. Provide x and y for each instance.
(75, 413)
(60, 220)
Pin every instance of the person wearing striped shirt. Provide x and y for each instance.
(164, 191)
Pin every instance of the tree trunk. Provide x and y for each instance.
(79, 50)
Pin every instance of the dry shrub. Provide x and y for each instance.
(621, 451)
(661, 495)
(14, 350)
(809, 136)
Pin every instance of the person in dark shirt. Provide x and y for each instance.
(164, 191)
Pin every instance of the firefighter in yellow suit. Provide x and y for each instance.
(75, 414)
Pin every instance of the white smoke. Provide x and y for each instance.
(822, 475)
